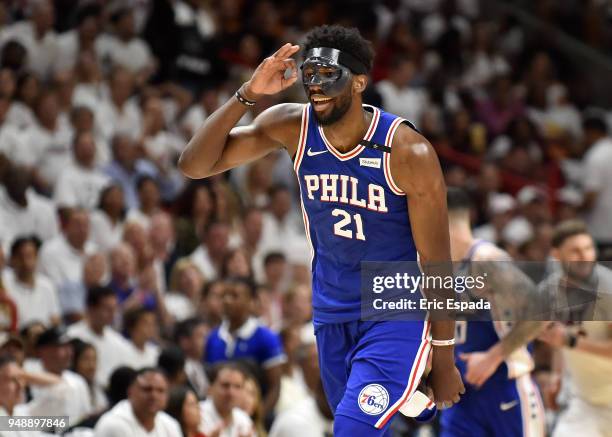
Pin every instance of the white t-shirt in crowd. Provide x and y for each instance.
(598, 177)
(52, 149)
(40, 52)
(120, 421)
(111, 120)
(103, 233)
(303, 420)
(407, 102)
(38, 303)
(146, 357)
(202, 261)
(240, 425)
(133, 55)
(112, 349)
(80, 187)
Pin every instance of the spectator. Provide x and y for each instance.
(220, 412)
(183, 297)
(597, 202)
(292, 389)
(22, 210)
(242, 337)
(236, 263)
(21, 112)
(140, 326)
(212, 302)
(84, 363)
(310, 417)
(123, 273)
(35, 296)
(124, 48)
(12, 344)
(148, 200)
(54, 349)
(126, 169)
(119, 114)
(141, 414)
(195, 209)
(183, 406)
(399, 93)
(253, 406)
(163, 241)
(190, 335)
(82, 120)
(107, 221)
(172, 361)
(112, 349)
(80, 184)
(209, 256)
(62, 260)
(81, 39)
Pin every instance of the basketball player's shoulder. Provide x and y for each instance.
(282, 122)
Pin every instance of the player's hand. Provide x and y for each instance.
(480, 366)
(269, 77)
(444, 378)
(554, 335)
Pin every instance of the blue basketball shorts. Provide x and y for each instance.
(369, 369)
(510, 408)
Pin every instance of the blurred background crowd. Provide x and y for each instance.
(114, 266)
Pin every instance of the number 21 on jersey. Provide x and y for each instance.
(343, 227)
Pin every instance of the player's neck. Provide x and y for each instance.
(347, 132)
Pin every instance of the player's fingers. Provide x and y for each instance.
(456, 399)
(286, 51)
(279, 53)
(462, 389)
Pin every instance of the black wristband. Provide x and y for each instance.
(244, 101)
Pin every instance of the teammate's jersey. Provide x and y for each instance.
(477, 336)
(353, 212)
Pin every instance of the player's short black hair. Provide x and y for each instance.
(458, 199)
(345, 39)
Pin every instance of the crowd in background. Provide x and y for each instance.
(124, 282)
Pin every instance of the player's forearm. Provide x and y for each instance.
(521, 334)
(206, 146)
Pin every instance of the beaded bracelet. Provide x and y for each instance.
(242, 100)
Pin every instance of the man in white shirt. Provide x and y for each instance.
(210, 254)
(23, 211)
(55, 352)
(190, 335)
(62, 260)
(598, 180)
(220, 415)
(141, 326)
(141, 414)
(399, 97)
(96, 329)
(35, 296)
(80, 184)
(80, 39)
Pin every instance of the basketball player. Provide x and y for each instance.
(585, 346)
(500, 397)
(372, 189)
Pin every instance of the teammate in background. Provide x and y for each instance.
(500, 397)
(372, 189)
(583, 348)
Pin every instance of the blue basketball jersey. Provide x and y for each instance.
(353, 212)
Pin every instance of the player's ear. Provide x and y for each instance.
(360, 82)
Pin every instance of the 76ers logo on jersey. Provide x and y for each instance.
(373, 399)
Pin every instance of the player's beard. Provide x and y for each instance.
(342, 103)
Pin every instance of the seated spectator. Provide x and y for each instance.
(140, 326)
(172, 361)
(84, 363)
(194, 210)
(148, 200)
(236, 263)
(21, 113)
(80, 184)
(96, 328)
(107, 221)
(35, 296)
(183, 297)
(124, 48)
(190, 335)
(55, 352)
(242, 337)
(22, 210)
(13, 381)
(127, 169)
(220, 412)
(62, 260)
(141, 414)
(183, 406)
(13, 345)
(95, 271)
(310, 417)
(211, 305)
(252, 404)
(163, 241)
(160, 144)
(119, 113)
(292, 388)
(209, 256)
(82, 120)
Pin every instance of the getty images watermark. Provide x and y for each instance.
(487, 290)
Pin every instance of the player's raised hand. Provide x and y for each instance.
(270, 76)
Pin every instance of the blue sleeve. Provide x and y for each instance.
(270, 352)
(214, 349)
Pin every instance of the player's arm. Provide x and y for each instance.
(416, 170)
(219, 145)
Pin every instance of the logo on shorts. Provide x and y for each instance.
(373, 399)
